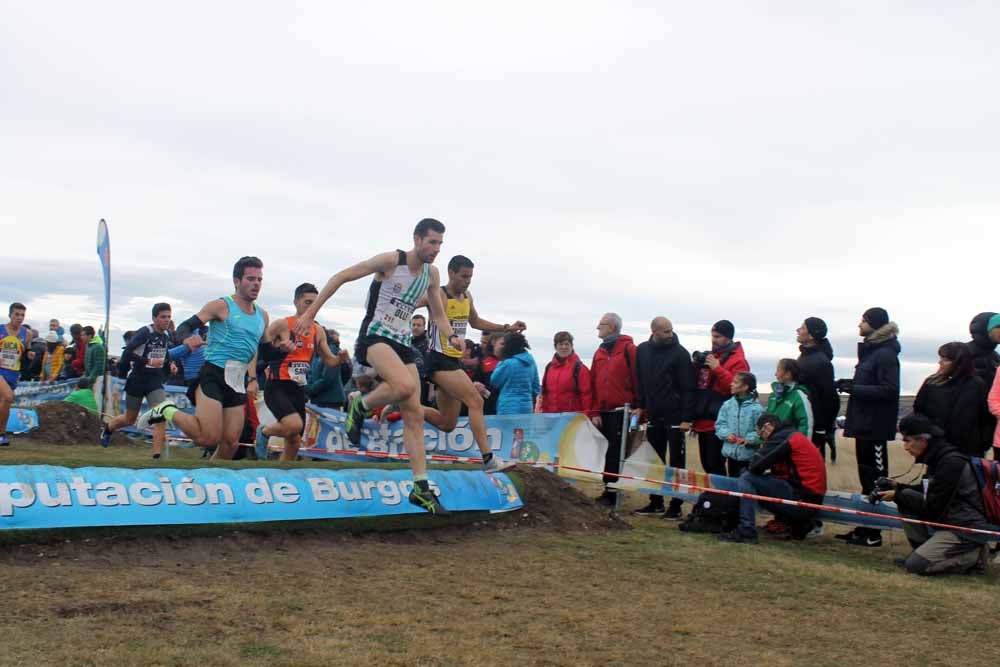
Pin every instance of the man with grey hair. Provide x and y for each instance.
(613, 381)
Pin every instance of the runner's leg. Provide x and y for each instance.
(292, 444)
(232, 426)
(457, 386)
(124, 420)
(448, 408)
(159, 438)
(6, 401)
(401, 383)
(205, 425)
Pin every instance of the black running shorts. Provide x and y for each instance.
(285, 397)
(441, 362)
(407, 355)
(212, 381)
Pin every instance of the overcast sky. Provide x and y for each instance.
(760, 162)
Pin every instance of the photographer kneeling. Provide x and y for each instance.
(952, 496)
(798, 472)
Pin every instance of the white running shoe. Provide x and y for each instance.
(497, 464)
(153, 415)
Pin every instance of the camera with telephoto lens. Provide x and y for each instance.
(698, 359)
(882, 484)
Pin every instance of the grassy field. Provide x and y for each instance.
(460, 595)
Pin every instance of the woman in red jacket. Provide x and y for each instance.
(566, 381)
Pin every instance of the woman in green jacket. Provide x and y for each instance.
(789, 400)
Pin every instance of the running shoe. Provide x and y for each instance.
(866, 538)
(105, 436)
(153, 415)
(497, 464)
(356, 416)
(427, 500)
(4, 440)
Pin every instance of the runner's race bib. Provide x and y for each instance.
(460, 327)
(299, 372)
(236, 374)
(156, 357)
(10, 358)
(398, 319)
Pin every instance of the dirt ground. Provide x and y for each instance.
(559, 582)
(63, 423)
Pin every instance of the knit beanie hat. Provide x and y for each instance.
(993, 323)
(816, 327)
(876, 317)
(725, 328)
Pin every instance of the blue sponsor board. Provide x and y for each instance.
(21, 421)
(32, 394)
(531, 438)
(34, 497)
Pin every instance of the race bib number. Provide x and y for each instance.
(460, 327)
(236, 374)
(10, 358)
(299, 372)
(156, 357)
(399, 315)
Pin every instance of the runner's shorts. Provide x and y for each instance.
(212, 381)
(441, 362)
(138, 388)
(11, 377)
(285, 397)
(407, 354)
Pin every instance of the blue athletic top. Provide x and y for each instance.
(235, 338)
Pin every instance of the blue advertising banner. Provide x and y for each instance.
(21, 421)
(54, 497)
(32, 394)
(531, 438)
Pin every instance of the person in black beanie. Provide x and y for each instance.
(816, 375)
(985, 361)
(873, 407)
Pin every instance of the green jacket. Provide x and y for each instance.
(84, 397)
(791, 404)
(93, 362)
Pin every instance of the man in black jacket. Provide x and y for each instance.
(665, 400)
(873, 407)
(952, 497)
(986, 361)
(816, 375)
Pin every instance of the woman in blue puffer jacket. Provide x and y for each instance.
(736, 425)
(515, 377)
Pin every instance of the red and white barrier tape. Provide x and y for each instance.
(678, 485)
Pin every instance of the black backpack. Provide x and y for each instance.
(712, 513)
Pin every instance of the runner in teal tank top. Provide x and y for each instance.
(400, 280)
(236, 325)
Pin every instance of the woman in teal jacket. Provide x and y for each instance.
(736, 425)
(515, 377)
(790, 400)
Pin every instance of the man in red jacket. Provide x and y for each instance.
(714, 373)
(566, 384)
(613, 382)
(797, 472)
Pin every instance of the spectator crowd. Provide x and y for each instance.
(778, 449)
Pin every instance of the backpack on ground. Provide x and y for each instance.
(987, 474)
(712, 513)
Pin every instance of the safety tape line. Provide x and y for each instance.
(678, 485)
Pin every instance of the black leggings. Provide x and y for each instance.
(661, 436)
(710, 450)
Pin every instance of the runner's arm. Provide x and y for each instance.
(382, 263)
(479, 323)
(435, 304)
(216, 309)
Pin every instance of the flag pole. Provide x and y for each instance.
(104, 254)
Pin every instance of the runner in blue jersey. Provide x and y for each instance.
(236, 326)
(400, 280)
(15, 338)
